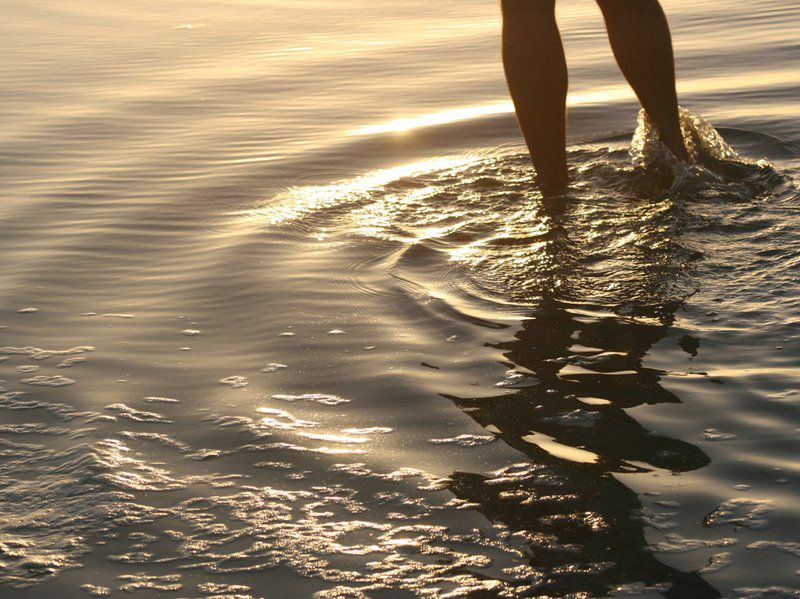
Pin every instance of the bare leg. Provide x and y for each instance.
(642, 45)
(536, 71)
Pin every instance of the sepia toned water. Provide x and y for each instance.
(282, 313)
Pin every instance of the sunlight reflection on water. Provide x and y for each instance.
(281, 310)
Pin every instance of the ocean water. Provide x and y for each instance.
(282, 313)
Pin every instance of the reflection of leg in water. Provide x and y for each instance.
(642, 45)
(582, 539)
(616, 376)
(580, 519)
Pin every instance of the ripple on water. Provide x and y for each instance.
(12, 400)
(465, 440)
(772, 592)
(37, 353)
(156, 399)
(129, 413)
(320, 398)
(515, 380)
(790, 395)
(223, 590)
(711, 434)
(788, 548)
(70, 362)
(346, 439)
(237, 382)
(143, 581)
(372, 430)
(96, 590)
(638, 589)
(581, 418)
(675, 543)
(282, 420)
(49, 381)
(750, 513)
(349, 526)
(717, 562)
(160, 438)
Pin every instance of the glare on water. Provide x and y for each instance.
(282, 312)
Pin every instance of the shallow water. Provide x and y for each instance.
(281, 312)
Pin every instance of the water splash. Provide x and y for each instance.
(711, 158)
(703, 142)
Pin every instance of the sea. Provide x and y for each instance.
(283, 313)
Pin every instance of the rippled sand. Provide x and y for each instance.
(283, 315)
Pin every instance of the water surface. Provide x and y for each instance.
(282, 313)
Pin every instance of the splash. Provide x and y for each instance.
(705, 146)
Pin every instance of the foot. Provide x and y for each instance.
(553, 187)
(676, 145)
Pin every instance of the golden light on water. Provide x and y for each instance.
(559, 450)
(598, 96)
(437, 118)
(297, 202)
(610, 94)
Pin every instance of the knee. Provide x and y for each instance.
(517, 7)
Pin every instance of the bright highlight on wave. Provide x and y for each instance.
(297, 202)
(456, 115)
(598, 96)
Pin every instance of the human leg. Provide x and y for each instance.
(642, 44)
(536, 71)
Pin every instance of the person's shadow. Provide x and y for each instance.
(582, 525)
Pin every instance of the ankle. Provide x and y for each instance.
(551, 186)
(678, 147)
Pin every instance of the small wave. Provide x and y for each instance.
(475, 231)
